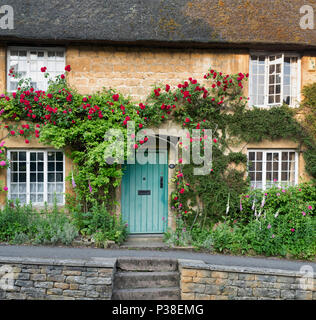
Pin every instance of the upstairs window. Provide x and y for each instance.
(27, 63)
(274, 80)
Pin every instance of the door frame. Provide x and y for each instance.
(166, 194)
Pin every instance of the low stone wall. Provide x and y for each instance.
(53, 279)
(200, 281)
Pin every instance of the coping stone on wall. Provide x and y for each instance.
(92, 262)
(197, 264)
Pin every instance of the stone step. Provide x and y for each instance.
(147, 265)
(136, 280)
(143, 245)
(172, 293)
(139, 238)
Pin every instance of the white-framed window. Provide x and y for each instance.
(272, 167)
(27, 62)
(274, 79)
(36, 176)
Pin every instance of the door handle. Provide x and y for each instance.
(161, 182)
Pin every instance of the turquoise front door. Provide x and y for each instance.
(145, 196)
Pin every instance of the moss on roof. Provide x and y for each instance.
(200, 21)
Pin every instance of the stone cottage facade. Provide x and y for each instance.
(132, 45)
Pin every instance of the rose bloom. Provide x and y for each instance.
(2, 163)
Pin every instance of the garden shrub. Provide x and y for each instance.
(19, 224)
(275, 222)
(100, 225)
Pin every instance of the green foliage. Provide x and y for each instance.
(291, 235)
(278, 222)
(257, 124)
(180, 237)
(100, 225)
(276, 199)
(308, 107)
(20, 224)
(65, 119)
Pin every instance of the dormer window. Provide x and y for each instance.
(27, 63)
(274, 80)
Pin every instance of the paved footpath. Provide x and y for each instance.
(86, 253)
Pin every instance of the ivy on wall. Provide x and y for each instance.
(63, 118)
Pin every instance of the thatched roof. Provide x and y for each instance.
(205, 22)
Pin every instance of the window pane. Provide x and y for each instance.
(285, 166)
(22, 156)
(33, 198)
(33, 166)
(22, 166)
(259, 156)
(51, 166)
(59, 166)
(40, 177)
(51, 156)
(269, 176)
(33, 177)
(14, 166)
(252, 155)
(275, 166)
(22, 188)
(40, 166)
(259, 166)
(40, 187)
(33, 187)
(22, 177)
(59, 156)
(14, 177)
(269, 165)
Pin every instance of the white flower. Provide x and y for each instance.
(227, 206)
(259, 214)
(263, 201)
(277, 213)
